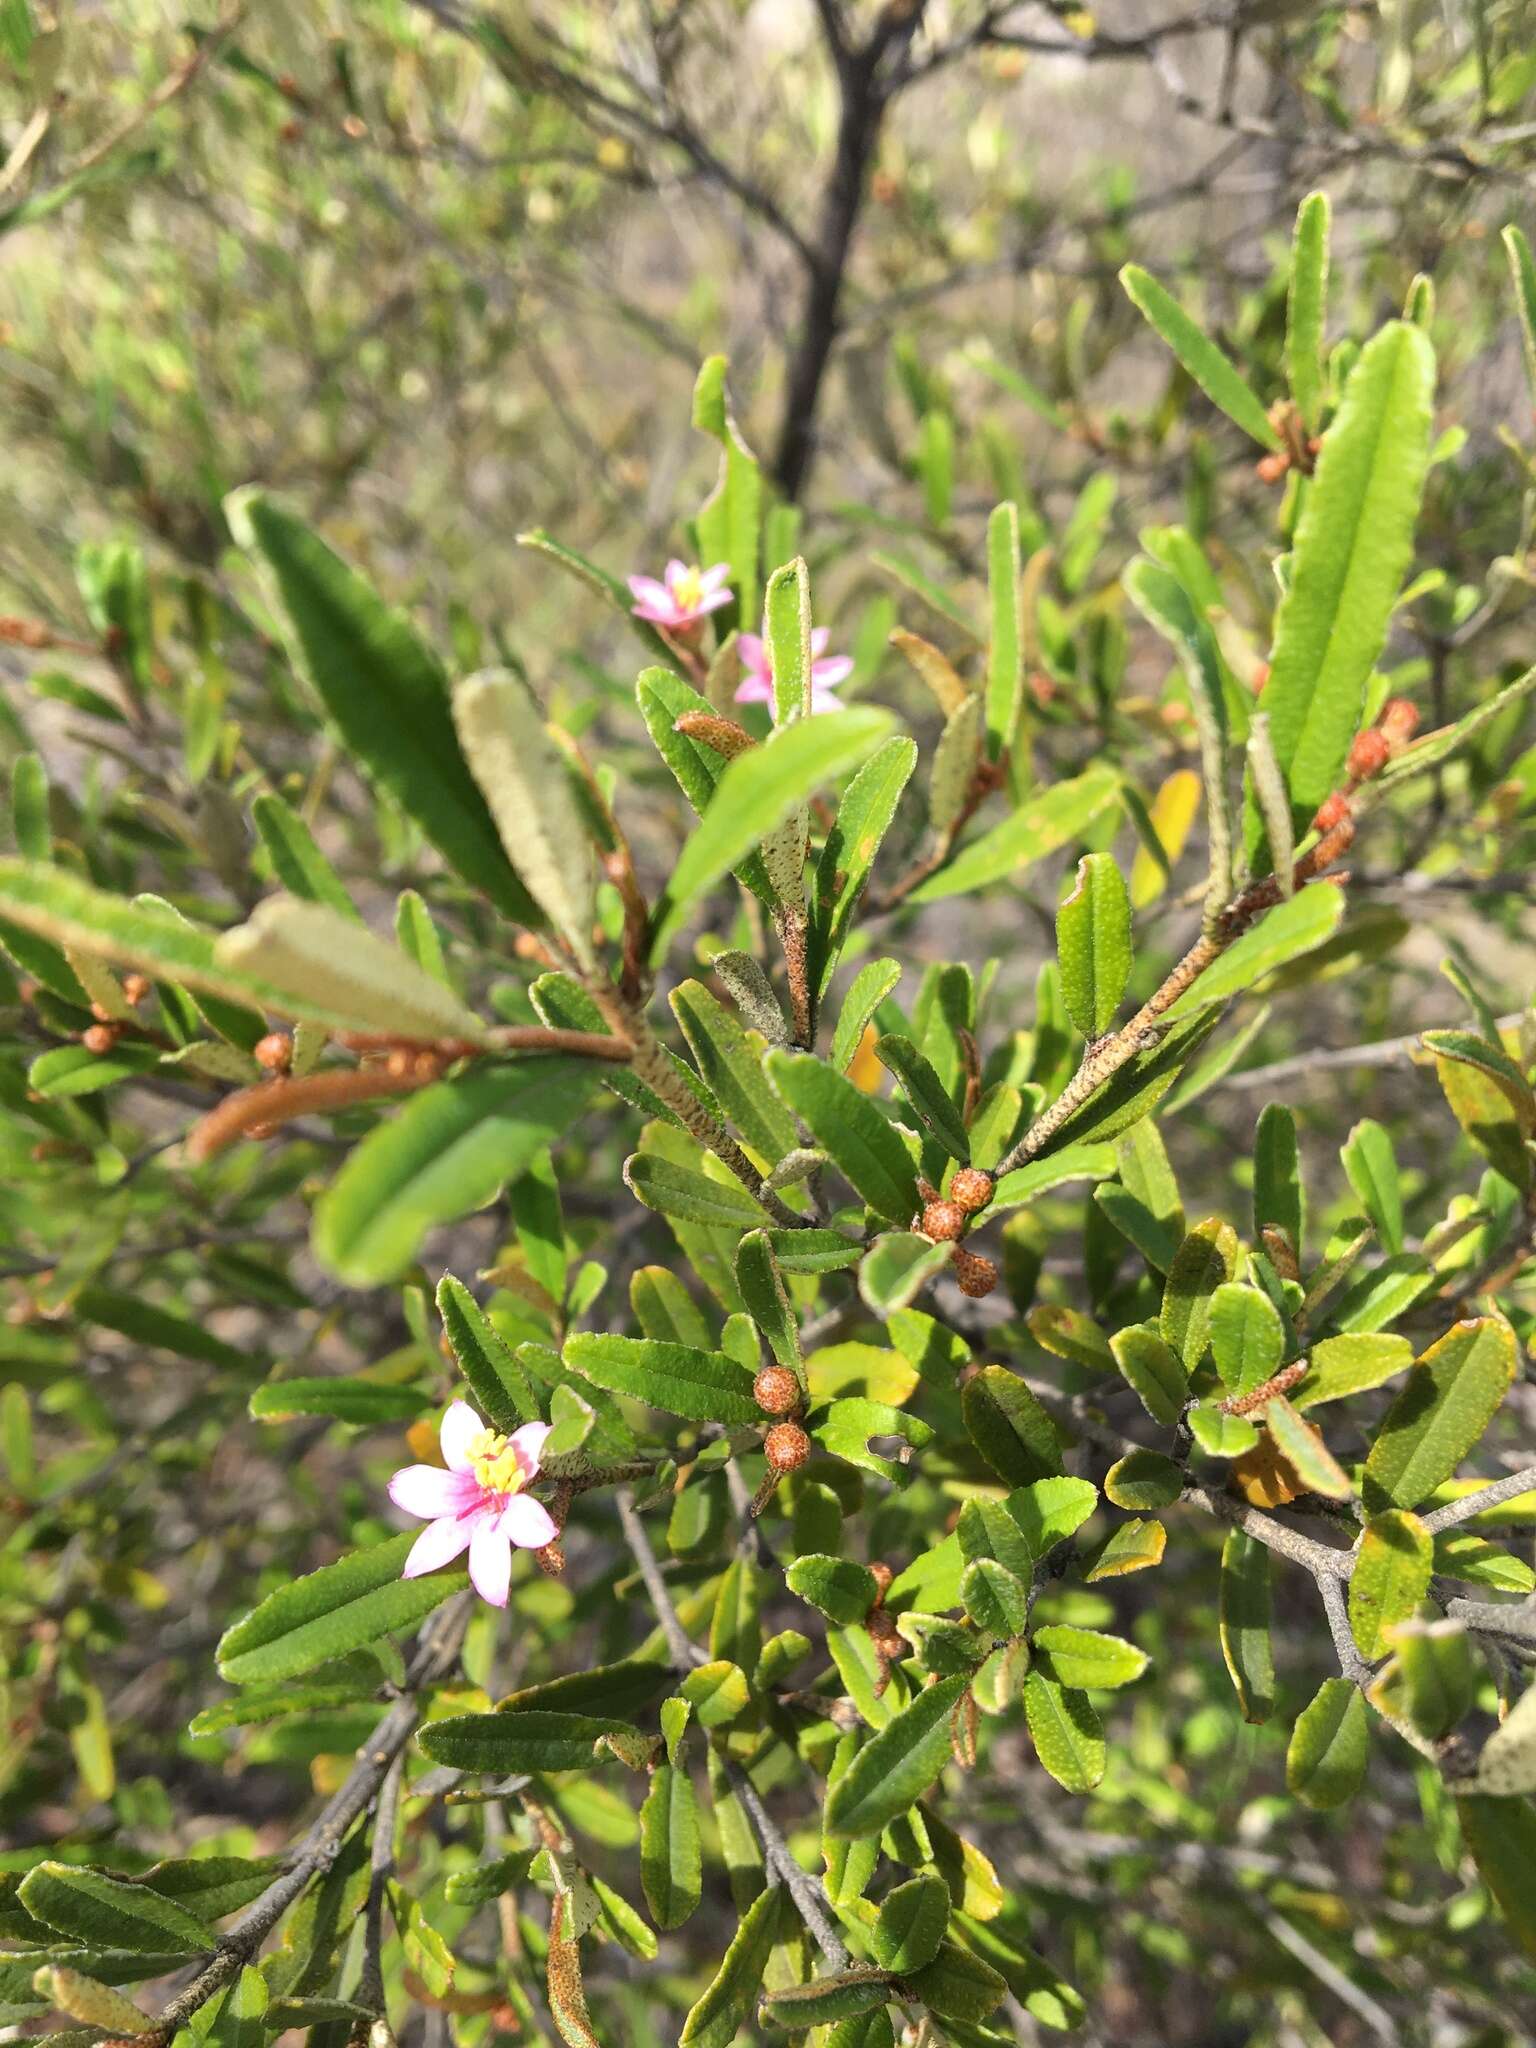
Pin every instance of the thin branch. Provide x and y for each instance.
(1455, 1512)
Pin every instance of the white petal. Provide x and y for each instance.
(461, 1425)
(490, 1563)
(438, 1544)
(528, 1523)
(427, 1491)
(528, 1442)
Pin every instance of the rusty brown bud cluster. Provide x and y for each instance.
(101, 1036)
(977, 1276)
(970, 1189)
(786, 1447)
(1368, 754)
(274, 1052)
(776, 1390)
(944, 1222)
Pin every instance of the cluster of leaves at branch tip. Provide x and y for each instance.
(848, 1501)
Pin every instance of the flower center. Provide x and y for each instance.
(688, 590)
(494, 1462)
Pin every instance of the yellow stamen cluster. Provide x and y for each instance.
(688, 590)
(494, 1462)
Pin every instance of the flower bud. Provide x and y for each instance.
(786, 1447)
(1333, 810)
(99, 1038)
(135, 987)
(1398, 723)
(274, 1052)
(977, 1276)
(1368, 754)
(944, 1222)
(970, 1189)
(776, 1390)
(1270, 468)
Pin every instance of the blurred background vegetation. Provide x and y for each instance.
(444, 273)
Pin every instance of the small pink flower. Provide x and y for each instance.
(683, 598)
(478, 1504)
(827, 671)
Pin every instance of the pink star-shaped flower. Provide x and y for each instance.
(683, 597)
(478, 1504)
(827, 671)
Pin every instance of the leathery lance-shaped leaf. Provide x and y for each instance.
(1207, 364)
(848, 1126)
(1306, 308)
(1506, 1764)
(1292, 929)
(1009, 1427)
(1468, 1048)
(1205, 1261)
(675, 1190)
(729, 2000)
(1153, 1370)
(502, 1390)
(1483, 1109)
(1067, 1733)
(671, 1861)
(1330, 1746)
(1337, 1366)
(338, 1608)
(385, 691)
(762, 1289)
(100, 1912)
(525, 780)
(990, 1529)
(1522, 270)
(1390, 1578)
(1005, 643)
(848, 854)
(365, 1402)
(911, 1923)
(953, 773)
(733, 1069)
(444, 1154)
(842, 1589)
(536, 1740)
(730, 521)
(958, 1986)
(1042, 824)
(1501, 1835)
(1082, 1657)
(56, 905)
(1135, 1089)
(299, 865)
(925, 1092)
(1353, 546)
(1278, 1200)
(994, 1598)
(758, 792)
(1448, 1399)
(1073, 1162)
(787, 638)
(702, 1386)
(1245, 1624)
(94, 2004)
(664, 698)
(1432, 1678)
(895, 1768)
(334, 965)
(896, 1269)
(1247, 1337)
(1093, 944)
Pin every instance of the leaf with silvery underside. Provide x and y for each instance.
(335, 967)
(953, 773)
(1204, 361)
(753, 994)
(341, 1607)
(1449, 1398)
(444, 1155)
(525, 780)
(848, 855)
(702, 1386)
(1354, 542)
(756, 793)
(1044, 822)
(950, 689)
(384, 689)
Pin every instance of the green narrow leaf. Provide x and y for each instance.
(1330, 1746)
(297, 861)
(925, 1093)
(1247, 1337)
(1522, 270)
(1067, 1733)
(1353, 545)
(1009, 1427)
(729, 2001)
(1041, 825)
(895, 1768)
(502, 1390)
(1371, 1167)
(675, 1190)
(100, 1912)
(762, 1289)
(446, 1153)
(848, 1126)
(1390, 1578)
(730, 519)
(671, 1863)
(1501, 1836)
(1448, 1400)
(1093, 944)
(530, 1740)
(1005, 645)
(847, 857)
(1246, 1642)
(1212, 370)
(867, 991)
(385, 691)
(1306, 308)
(755, 794)
(733, 1069)
(1291, 929)
(341, 1607)
(787, 637)
(1277, 1189)
(703, 1386)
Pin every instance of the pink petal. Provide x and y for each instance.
(754, 689)
(711, 602)
(438, 1544)
(428, 1491)
(461, 1425)
(826, 675)
(675, 568)
(712, 579)
(654, 615)
(528, 1442)
(490, 1563)
(649, 591)
(820, 635)
(527, 1523)
(754, 655)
